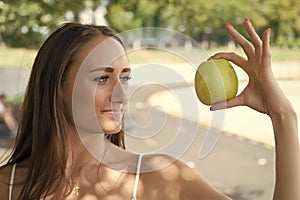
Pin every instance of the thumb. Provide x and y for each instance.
(235, 101)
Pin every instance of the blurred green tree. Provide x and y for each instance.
(201, 19)
(282, 16)
(25, 23)
(128, 14)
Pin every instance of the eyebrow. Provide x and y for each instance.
(109, 69)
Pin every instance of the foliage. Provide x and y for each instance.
(25, 23)
(16, 101)
(205, 20)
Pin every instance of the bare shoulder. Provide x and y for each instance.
(5, 172)
(5, 178)
(173, 179)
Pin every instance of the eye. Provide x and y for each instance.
(125, 79)
(101, 79)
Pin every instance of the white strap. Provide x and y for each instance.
(137, 177)
(11, 182)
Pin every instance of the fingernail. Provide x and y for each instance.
(228, 25)
(269, 30)
(210, 58)
(247, 21)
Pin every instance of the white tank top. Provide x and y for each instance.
(137, 177)
(136, 183)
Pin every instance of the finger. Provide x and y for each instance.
(236, 101)
(266, 54)
(234, 58)
(256, 41)
(241, 40)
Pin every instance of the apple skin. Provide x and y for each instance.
(215, 81)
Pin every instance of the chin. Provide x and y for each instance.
(112, 130)
(110, 127)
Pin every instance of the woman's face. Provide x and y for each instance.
(95, 91)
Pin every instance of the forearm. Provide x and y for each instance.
(287, 156)
(2, 116)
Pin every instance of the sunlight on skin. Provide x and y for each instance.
(172, 174)
(173, 189)
(108, 176)
(86, 177)
(107, 184)
(89, 197)
(187, 175)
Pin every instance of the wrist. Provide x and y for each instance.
(284, 118)
(285, 122)
(284, 113)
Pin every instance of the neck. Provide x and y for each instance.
(94, 148)
(83, 146)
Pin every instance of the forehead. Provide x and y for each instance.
(103, 52)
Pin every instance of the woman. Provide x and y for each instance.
(77, 90)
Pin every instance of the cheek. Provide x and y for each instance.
(101, 97)
(84, 108)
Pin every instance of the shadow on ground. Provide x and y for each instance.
(242, 193)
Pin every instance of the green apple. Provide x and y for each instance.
(215, 81)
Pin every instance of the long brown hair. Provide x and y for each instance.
(42, 138)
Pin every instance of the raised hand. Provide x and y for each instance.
(262, 92)
(264, 95)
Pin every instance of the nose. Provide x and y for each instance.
(119, 93)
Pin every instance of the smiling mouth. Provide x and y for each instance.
(112, 111)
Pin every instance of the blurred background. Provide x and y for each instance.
(24, 25)
(245, 155)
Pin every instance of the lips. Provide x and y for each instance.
(112, 111)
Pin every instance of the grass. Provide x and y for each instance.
(24, 57)
(16, 100)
